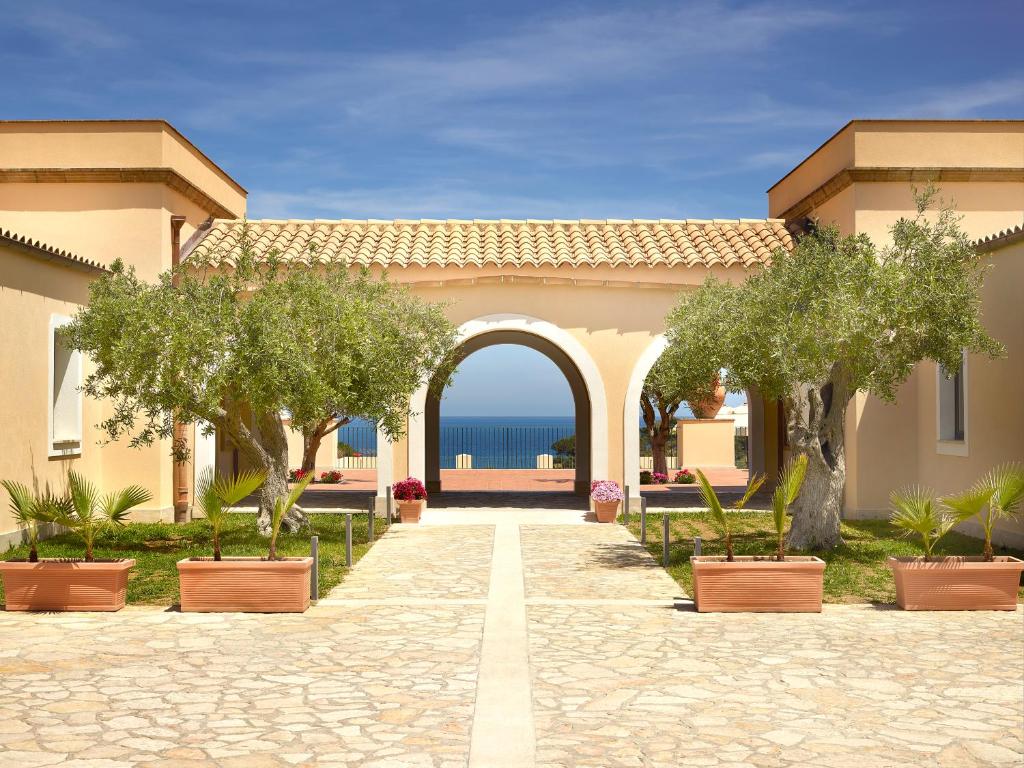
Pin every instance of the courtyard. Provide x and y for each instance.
(475, 639)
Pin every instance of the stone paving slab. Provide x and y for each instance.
(853, 686)
(591, 561)
(371, 686)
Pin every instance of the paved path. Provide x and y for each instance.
(485, 638)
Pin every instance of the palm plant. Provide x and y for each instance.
(30, 510)
(87, 513)
(718, 513)
(790, 482)
(217, 494)
(999, 494)
(281, 507)
(915, 511)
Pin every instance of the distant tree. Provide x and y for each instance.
(835, 316)
(238, 348)
(565, 446)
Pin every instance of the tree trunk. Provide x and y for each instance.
(816, 418)
(658, 440)
(310, 446)
(659, 420)
(274, 440)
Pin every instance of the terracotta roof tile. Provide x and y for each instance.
(48, 252)
(502, 243)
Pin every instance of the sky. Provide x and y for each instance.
(510, 109)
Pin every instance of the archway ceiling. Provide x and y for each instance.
(744, 243)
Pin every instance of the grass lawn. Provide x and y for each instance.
(156, 548)
(856, 571)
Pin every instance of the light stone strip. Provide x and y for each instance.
(667, 603)
(367, 601)
(503, 734)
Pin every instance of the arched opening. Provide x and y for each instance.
(523, 445)
(744, 438)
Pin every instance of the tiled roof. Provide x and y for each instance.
(501, 243)
(39, 249)
(998, 240)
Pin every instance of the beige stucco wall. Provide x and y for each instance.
(31, 292)
(892, 445)
(104, 220)
(706, 442)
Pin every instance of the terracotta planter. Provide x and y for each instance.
(409, 511)
(54, 585)
(758, 585)
(606, 511)
(244, 585)
(956, 583)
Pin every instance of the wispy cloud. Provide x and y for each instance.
(965, 99)
(70, 30)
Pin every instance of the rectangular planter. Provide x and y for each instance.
(757, 585)
(62, 585)
(244, 585)
(956, 583)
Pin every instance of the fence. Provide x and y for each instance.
(357, 447)
(507, 447)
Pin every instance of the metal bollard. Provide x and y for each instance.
(696, 546)
(643, 521)
(664, 539)
(348, 540)
(625, 507)
(314, 574)
(390, 506)
(371, 510)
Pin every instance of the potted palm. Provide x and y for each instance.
(606, 495)
(411, 497)
(70, 584)
(268, 584)
(956, 583)
(777, 583)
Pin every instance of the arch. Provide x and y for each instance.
(631, 413)
(564, 350)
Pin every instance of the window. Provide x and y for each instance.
(65, 397)
(952, 407)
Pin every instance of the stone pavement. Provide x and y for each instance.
(501, 638)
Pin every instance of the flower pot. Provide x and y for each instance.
(56, 585)
(409, 511)
(956, 583)
(244, 584)
(758, 584)
(606, 511)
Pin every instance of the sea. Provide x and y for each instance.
(494, 442)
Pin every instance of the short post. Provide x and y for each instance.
(390, 505)
(664, 539)
(625, 507)
(348, 540)
(696, 546)
(643, 521)
(314, 574)
(371, 509)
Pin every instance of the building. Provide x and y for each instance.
(591, 295)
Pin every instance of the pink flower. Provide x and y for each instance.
(409, 489)
(605, 491)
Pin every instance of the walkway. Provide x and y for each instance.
(492, 639)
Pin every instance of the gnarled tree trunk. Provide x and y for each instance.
(816, 421)
(313, 437)
(659, 425)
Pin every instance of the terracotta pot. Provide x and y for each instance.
(758, 585)
(708, 409)
(54, 585)
(244, 585)
(956, 583)
(606, 511)
(409, 511)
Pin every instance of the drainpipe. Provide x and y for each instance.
(179, 478)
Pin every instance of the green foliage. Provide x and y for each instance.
(999, 494)
(29, 510)
(565, 446)
(281, 507)
(216, 494)
(790, 482)
(719, 516)
(915, 511)
(86, 513)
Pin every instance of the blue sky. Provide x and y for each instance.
(519, 109)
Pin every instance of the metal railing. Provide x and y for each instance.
(504, 447)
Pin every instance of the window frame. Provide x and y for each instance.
(70, 447)
(953, 446)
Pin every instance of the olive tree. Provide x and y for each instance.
(245, 348)
(838, 315)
